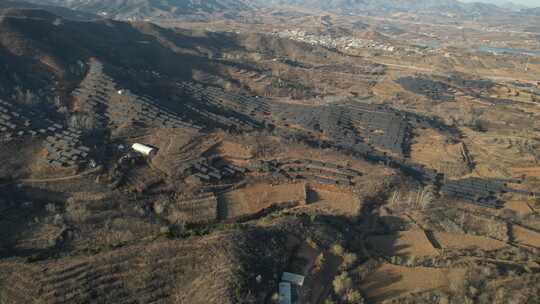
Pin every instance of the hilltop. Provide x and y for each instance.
(142, 9)
(387, 157)
(169, 9)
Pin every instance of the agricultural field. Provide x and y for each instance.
(235, 152)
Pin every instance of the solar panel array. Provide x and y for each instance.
(97, 89)
(16, 122)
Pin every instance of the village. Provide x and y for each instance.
(278, 156)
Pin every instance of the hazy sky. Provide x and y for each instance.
(527, 2)
(532, 3)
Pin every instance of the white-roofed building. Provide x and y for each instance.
(285, 296)
(293, 278)
(144, 149)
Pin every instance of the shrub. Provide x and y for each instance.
(337, 249)
(319, 262)
(479, 125)
(348, 260)
(311, 243)
(76, 211)
(342, 283)
(354, 296)
(411, 261)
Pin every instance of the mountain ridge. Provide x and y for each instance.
(141, 9)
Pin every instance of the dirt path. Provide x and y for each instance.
(53, 179)
(435, 72)
(408, 67)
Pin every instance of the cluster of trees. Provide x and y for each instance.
(346, 282)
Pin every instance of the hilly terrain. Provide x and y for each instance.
(141, 9)
(287, 154)
(532, 11)
(62, 11)
(168, 9)
(378, 6)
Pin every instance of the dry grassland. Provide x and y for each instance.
(391, 281)
(521, 207)
(232, 150)
(341, 201)
(526, 236)
(465, 241)
(255, 198)
(412, 243)
(431, 149)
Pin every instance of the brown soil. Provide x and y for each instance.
(412, 243)
(198, 270)
(431, 149)
(519, 206)
(339, 200)
(391, 281)
(175, 148)
(255, 198)
(465, 241)
(526, 236)
(229, 149)
(529, 172)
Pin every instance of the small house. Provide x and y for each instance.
(293, 278)
(144, 149)
(285, 293)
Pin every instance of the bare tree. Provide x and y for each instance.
(27, 97)
(426, 197)
(83, 121)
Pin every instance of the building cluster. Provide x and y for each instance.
(341, 43)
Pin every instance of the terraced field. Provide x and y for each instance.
(217, 160)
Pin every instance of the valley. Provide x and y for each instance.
(281, 152)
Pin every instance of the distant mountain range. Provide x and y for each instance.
(13, 5)
(141, 9)
(532, 11)
(372, 5)
(507, 4)
(382, 7)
